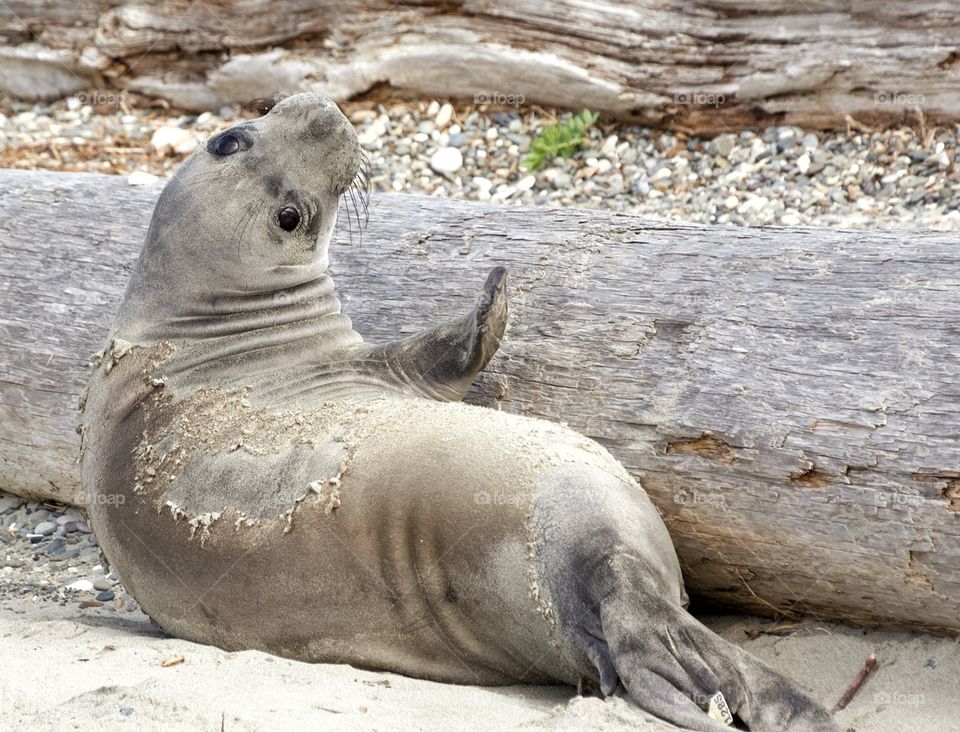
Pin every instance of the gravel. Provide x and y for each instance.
(37, 564)
(446, 160)
(901, 177)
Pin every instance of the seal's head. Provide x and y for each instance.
(250, 213)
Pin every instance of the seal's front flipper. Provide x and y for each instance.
(490, 317)
(672, 666)
(443, 361)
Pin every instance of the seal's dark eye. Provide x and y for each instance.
(288, 218)
(227, 144)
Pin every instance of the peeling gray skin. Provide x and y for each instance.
(276, 483)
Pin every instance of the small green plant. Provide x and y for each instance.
(559, 140)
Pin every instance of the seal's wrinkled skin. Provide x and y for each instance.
(262, 478)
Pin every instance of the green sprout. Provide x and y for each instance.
(559, 140)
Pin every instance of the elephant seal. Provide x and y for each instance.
(281, 485)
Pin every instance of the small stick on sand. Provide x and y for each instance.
(868, 667)
(780, 630)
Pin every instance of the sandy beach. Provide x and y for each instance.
(67, 667)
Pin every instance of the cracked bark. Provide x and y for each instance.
(705, 66)
(789, 397)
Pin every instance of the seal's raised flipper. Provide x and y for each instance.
(443, 361)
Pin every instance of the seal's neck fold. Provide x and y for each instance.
(245, 312)
(251, 332)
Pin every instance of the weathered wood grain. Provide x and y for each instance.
(790, 398)
(704, 66)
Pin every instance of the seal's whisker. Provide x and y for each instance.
(240, 222)
(355, 195)
(363, 170)
(356, 213)
(363, 184)
(253, 212)
(346, 210)
(364, 201)
(364, 174)
(360, 185)
(209, 174)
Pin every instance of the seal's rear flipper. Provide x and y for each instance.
(443, 361)
(671, 665)
(612, 582)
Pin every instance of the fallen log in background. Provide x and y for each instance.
(702, 66)
(790, 398)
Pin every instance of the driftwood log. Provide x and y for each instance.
(703, 66)
(790, 398)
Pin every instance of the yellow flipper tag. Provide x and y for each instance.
(719, 710)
